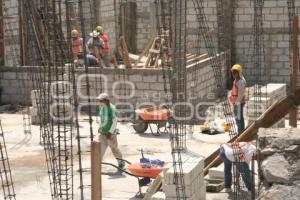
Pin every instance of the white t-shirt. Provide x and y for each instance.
(245, 150)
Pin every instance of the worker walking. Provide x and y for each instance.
(107, 130)
(238, 96)
(105, 47)
(242, 153)
(94, 45)
(77, 46)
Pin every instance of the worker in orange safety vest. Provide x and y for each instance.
(77, 47)
(105, 48)
(238, 96)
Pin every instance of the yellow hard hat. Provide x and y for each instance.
(237, 67)
(74, 33)
(99, 29)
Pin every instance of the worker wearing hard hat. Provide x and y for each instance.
(77, 46)
(107, 130)
(94, 45)
(238, 96)
(105, 47)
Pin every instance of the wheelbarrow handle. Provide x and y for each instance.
(124, 160)
(115, 166)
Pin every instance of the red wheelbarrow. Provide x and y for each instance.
(159, 116)
(143, 175)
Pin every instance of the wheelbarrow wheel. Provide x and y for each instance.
(140, 126)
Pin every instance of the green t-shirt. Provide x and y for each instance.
(107, 114)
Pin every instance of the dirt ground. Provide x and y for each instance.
(29, 168)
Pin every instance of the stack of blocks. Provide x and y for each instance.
(193, 180)
(269, 94)
(39, 101)
(61, 108)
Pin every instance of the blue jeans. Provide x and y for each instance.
(243, 169)
(239, 116)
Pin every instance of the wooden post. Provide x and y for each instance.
(294, 71)
(96, 170)
(125, 53)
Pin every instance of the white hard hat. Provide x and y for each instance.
(94, 34)
(102, 96)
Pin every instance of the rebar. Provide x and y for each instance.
(5, 171)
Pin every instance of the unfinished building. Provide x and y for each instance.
(169, 67)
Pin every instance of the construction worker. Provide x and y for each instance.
(105, 47)
(238, 96)
(91, 60)
(77, 46)
(107, 130)
(94, 45)
(241, 153)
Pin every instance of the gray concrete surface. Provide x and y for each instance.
(29, 167)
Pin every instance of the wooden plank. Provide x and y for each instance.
(146, 49)
(154, 187)
(114, 61)
(125, 53)
(196, 59)
(96, 170)
(294, 71)
(189, 56)
(151, 55)
(274, 113)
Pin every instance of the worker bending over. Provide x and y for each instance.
(238, 96)
(107, 130)
(242, 153)
(105, 47)
(94, 45)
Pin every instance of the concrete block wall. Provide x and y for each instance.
(275, 22)
(276, 38)
(144, 21)
(108, 21)
(193, 180)
(270, 93)
(145, 85)
(193, 41)
(11, 32)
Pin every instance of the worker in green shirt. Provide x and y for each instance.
(107, 130)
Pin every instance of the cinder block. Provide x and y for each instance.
(142, 86)
(200, 195)
(158, 196)
(216, 173)
(192, 167)
(190, 189)
(151, 79)
(135, 78)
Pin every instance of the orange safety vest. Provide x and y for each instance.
(77, 46)
(105, 47)
(235, 93)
